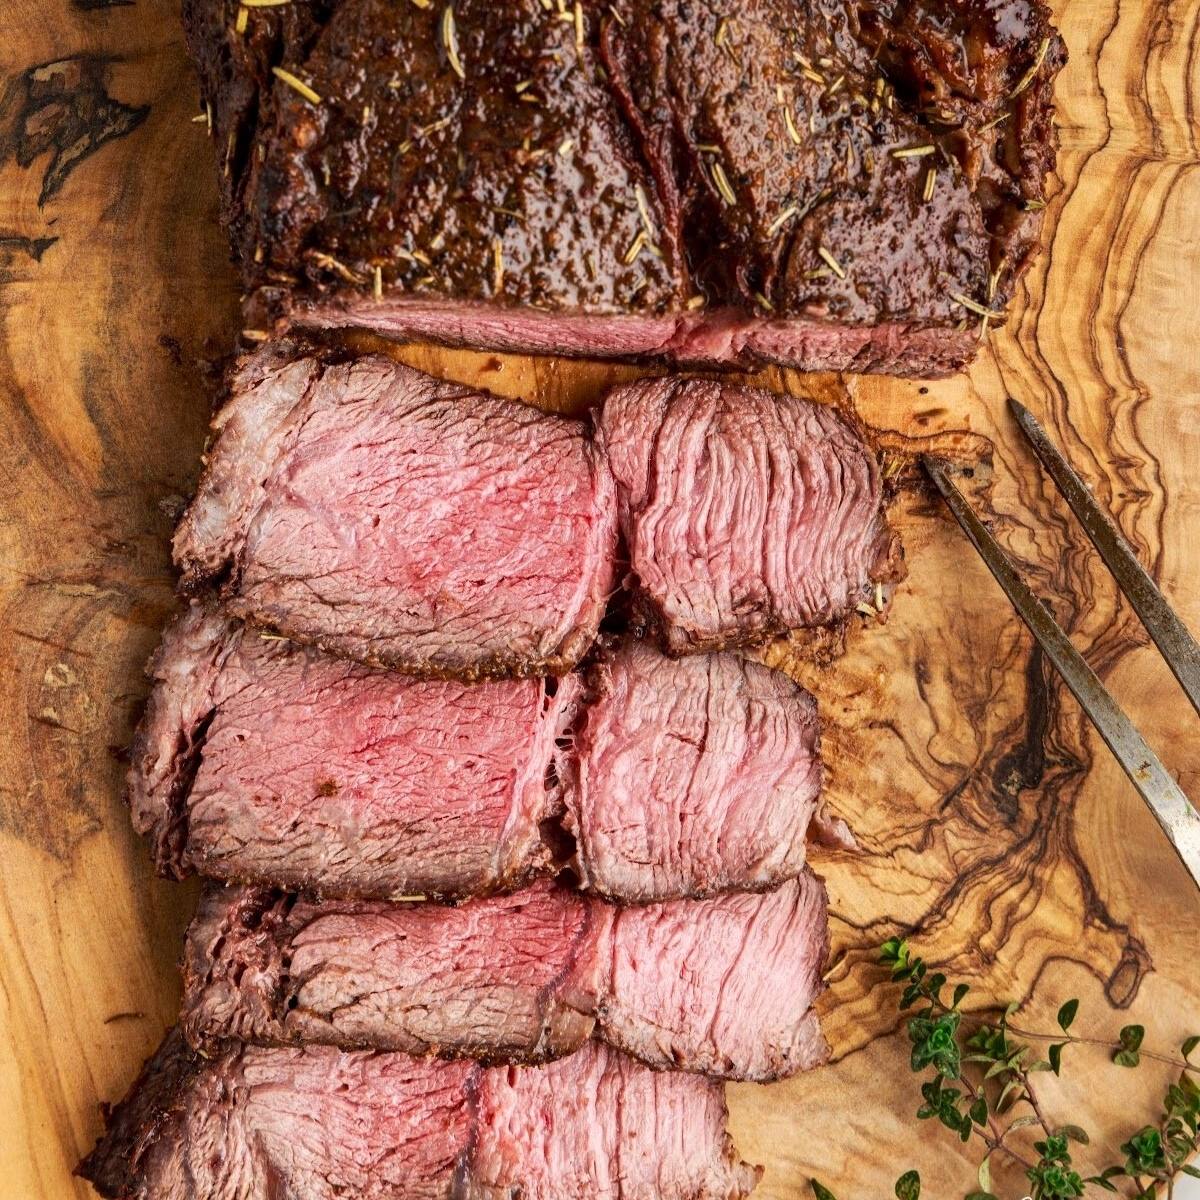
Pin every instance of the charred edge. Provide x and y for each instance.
(171, 841)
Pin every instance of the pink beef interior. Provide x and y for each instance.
(321, 1124)
(394, 518)
(691, 776)
(720, 338)
(312, 770)
(723, 987)
(491, 978)
(746, 513)
(597, 1126)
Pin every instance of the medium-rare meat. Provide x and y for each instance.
(598, 1126)
(722, 987)
(261, 760)
(690, 776)
(747, 514)
(830, 184)
(509, 978)
(317, 1124)
(393, 518)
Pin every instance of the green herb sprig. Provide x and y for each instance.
(980, 1085)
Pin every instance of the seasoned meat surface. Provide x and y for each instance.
(838, 184)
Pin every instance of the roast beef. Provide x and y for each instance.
(399, 520)
(266, 762)
(318, 1124)
(722, 987)
(690, 776)
(261, 760)
(829, 184)
(747, 514)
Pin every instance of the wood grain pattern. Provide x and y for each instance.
(993, 824)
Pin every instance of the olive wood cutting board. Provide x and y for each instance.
(992, 822)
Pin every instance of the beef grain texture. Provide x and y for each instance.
(317, 1124)
(264, 761)
(747, 514)
(690, 776)
(656, 180)
(261, 761)
(721, 987)
(402, 521)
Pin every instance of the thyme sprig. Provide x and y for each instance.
(981, 1085)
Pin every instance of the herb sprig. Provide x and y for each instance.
(981, 1085)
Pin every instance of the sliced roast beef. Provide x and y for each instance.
(261, 760)
(747, 514)
(598, 1126)
(839, 184)
(317, 1124)
(367, 508)
(510, 978)
(691, 776)
(722, 987)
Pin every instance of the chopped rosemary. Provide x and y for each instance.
(835, 85)
(644, 210)
(815, 76)
(297, 85)
(914, 151)
(763, 302)
(635, 248)
(723, 184)
(789, 121)
(930, 184)
(694, 302)
(322, 259)
(377, 284)
(974, 306)
(566, 146)
(450, 41)
(497, 265)
(1027, 78)
(782, 219)
(578, 25)
(264, 3)
(995, 121)
(620, 20)
(834, 265)
(243, 19)
(433, 127)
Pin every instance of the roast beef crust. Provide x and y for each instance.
(745, 152)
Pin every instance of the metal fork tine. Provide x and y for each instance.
(1175, 814)
(1170, 635)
